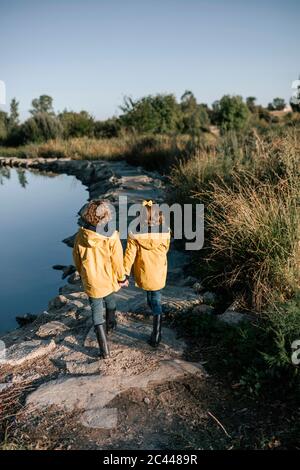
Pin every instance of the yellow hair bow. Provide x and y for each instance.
(147, 203)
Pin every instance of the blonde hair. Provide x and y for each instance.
(151, 214)
(97, 212)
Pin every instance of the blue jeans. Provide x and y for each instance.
(154, 301)
(98, 307)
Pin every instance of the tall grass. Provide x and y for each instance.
(157, 152)
(251, 191)
(254, 234)
(78, 149)
(154, 152)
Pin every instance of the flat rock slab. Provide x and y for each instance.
(83, 367)
(132, 299)
(105, 418)
(93, 393)
(28, 351)
(132, 334)
(53, 328)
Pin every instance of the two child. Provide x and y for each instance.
(99, 260)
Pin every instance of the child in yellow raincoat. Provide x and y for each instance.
(98, 258)
(147, 251)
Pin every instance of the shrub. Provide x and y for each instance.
(107, 129)
(194, 117)
(257, 355)
(251, 192)
(77, 124)
(40, 128)
(254, 239)
(3, 126)
(278, 104)
(155, 152)
(151, 114)
(231, 113)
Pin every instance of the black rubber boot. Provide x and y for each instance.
(102, 341)
(155, 337)
(111, 321)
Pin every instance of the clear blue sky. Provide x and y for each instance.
(88, 54)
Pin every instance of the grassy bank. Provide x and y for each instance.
(251, 190)
(78, 149)
(154, 152)
(250, 185)
(253, 358)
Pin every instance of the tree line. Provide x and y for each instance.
(153, 114)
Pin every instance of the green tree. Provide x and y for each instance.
(108, 128)
(194, 116)
(251, 103)
(40, 128)
(77, 124)
(3, 126)
(14, 114)
(4, 174)
(151, 114)
(278, 104)
(295, 101)
(22, 177)
(231, 113)
(43, 104)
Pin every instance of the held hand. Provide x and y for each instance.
(124, 284)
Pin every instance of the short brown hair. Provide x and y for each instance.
(97, 212)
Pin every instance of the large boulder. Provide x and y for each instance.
(232, 317)
(203, 309)
(209, 298)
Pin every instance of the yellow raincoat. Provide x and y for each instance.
(147, 252)
(99, 261)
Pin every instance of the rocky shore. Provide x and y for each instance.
(53, 360)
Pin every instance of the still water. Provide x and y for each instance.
(37, 211)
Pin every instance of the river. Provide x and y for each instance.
(37, 211)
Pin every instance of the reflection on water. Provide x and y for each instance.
(36, 212)
(4, 173)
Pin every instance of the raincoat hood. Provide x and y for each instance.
(150, 241)
(99, 261)
(147, 254)
(91, 238)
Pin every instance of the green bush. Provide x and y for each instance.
(153, 152)
(231, 113)
(107, 129)
(40, 128)
(3, 126)
(251, 193)
(256, 355)
(194, 117)
(77, 124)
(157, 114)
